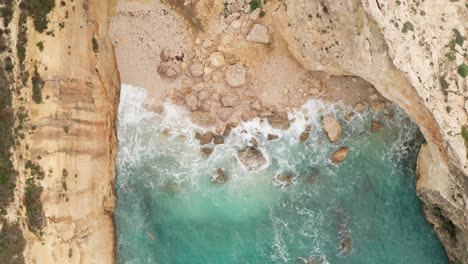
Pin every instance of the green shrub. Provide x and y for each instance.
(407, 26)
(37, 84)
(95, 44)
(40, 45)
(254, 4)
(38, 10)
(463, 70)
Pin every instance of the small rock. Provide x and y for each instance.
(219, 177)
(230, 100)
(255, 14)
(308, 128)
(197, 136)
(232, 17)
(207, 151)
(304, 136)
(332, 128)
(207, 44)
(217, 60)
(218, 139)
(377, 106)
(339, 155)
(359, 108)
(236, 75)
(183, 65)
(279, 120)
(256, 106)
(284, 179)
(376, 126)
(165, 55)
(192, 101)
(259, 33)
(206, 138)
(252, 158)
(168, 70)
(196, 69)
(272, 137)
(349, 116)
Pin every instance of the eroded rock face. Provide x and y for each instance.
(252, 158)
(279, 120)
(332, 128)
(401, 49)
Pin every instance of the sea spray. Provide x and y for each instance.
(361, 211)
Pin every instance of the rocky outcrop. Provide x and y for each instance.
(252, 158)
(73, 143)
(339, 155)
(410, 52)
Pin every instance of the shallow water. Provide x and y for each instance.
(168, 211)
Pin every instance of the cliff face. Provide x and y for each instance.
(66, 161)
(411, 52)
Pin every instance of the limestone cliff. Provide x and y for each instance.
(66, 157)
(411, 52)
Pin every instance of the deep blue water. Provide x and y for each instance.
(169, 212)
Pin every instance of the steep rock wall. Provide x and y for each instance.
(72, 134)
(410, 51)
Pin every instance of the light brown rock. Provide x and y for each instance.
(206, 138)
(196, 69)
(332, 128)
(259, 33)
(376, 126)
(236, 75)
(339, 155)
(279, 120)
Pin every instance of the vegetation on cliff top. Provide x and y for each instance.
(38, 10)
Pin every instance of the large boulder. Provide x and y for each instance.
(332, 128)
(339, 155)
(279, 120)
(236, 75)
(206, 138)
(252, 158)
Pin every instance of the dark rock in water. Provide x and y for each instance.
(314, 171)
(252, 158)
(339, 155)
(207, 151)
(172, 187)
(218, 139)
(376, 126)
(308, 128)
(284, 178)
(279, 120)
(206, 138)
(254, 141)
(219, 177)
(272, 137)
(198, 136)
(304, 136)
(346, 245)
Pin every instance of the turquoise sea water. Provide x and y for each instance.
(168, 211)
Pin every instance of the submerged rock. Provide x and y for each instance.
(284, 178)
(252, 158)
(219, 177)
(207, 151)
(332, 128)
(339, 155)
(346, 245)
(376, 126)
(304, 136)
